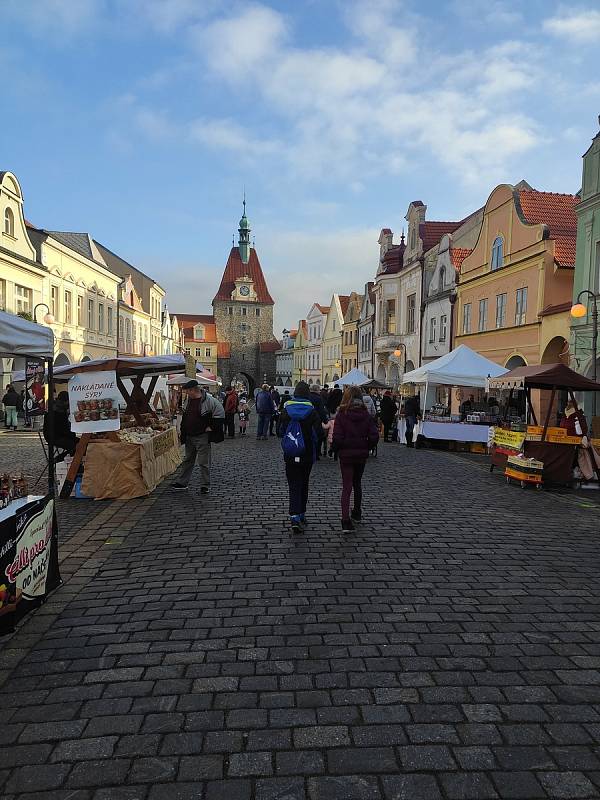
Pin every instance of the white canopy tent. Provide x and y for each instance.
(179, 380)
(460, 367)
(353, 378)
(123, 365)
(19, 337)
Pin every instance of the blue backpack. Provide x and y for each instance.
(292, 438)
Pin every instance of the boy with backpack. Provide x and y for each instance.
(299, 428)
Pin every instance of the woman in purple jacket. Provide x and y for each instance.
(354, 435)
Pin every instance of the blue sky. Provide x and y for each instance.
(141, 121)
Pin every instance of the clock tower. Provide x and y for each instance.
(243, 311)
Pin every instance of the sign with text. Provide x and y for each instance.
(94, 402)
(509, 442)
(34, 403)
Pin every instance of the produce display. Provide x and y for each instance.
(128, 422)
(92, 410)
(12, 488)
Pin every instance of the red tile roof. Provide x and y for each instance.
(293, 333)
(188, 321)
(269, 347)
(393, 260)
(557, 211)
(235, 268)
(344, 303)
(560, 308)
(323, 309)
(432, 232)
(458, 255)
(223, 350)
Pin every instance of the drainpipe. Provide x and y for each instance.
(421, 310)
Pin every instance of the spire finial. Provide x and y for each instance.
(244, 201)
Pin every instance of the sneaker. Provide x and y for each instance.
(356, 514)
(296, 524)
(303, 520)
(347, 526)
(204, 490)
(178, 486)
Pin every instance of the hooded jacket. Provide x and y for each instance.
(354, 433)
(303, 411)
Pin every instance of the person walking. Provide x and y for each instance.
(387, 413)
(354, 435)
(319, 406)
(202, 422)
(412, 412)
(244, 415)
(334, 399)
(264, 409)
(276, 398)
(10, 401)
(231, 405)
(299, 428)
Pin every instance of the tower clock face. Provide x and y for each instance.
(245, 290)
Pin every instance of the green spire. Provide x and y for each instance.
(244, 231)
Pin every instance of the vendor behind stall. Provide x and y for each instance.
(573, 419)
(64, 438)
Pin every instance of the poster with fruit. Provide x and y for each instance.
(94, 402)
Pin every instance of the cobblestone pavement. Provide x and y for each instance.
(449, 648)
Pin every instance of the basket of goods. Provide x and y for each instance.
(524, 470)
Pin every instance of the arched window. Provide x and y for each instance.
(442, 279)
(498, 253)
(413, 238)
(199, 332)
(9, 222)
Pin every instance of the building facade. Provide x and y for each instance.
(331, 347)
(386, 327)
(442, 264)
(350, 332)
(199, 334)
(366, 325)
(515, 287)
(243, 315)
(299, 356)
(284, 359)
(587, 267)
(315, 325)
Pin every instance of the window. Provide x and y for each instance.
(198, 352)
(207, 352)
(333, 325)
(483, 308)
(109, 321)
(443, 327)
(187, 351)
(500, 310)
(134, 327)
(497, 253)
(54, 301)
(90, 314)
(244, 311)
(257, 312)
(411, 303)
(101, 317)
(432, 329)
(80, 310)
(466, 328)
(199, 332)
(9, 222)
(128, 334)
(390, 317)
(2, 295)
(442, 279)
(521, 308)
(68, 307)
(23, 297)
(230, 311)
(413, 238)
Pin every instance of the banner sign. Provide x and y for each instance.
(508, 442)
(94, 402)
(35, 403)
(28, 559)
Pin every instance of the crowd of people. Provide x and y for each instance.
(312, 423)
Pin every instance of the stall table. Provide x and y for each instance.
(454, 431)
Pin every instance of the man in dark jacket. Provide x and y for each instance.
(334, 399)
(64, 438)
(316, 398)
(203, 416)
(412, 412)
(264, 410)
(10, 402)
(387, 413)
(276, 398)
(298, 468)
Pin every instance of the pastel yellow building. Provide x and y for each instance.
(350, 332)
(299, 357)
(331, 346)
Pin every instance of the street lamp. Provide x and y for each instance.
(48, 318)
(398, 353)
(578, 311)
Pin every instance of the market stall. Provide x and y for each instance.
(120, 454)
(353, 378)
(465, 370)
(555, 449)
(28, 527)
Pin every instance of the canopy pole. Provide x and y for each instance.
(50, 426)
(546, 423)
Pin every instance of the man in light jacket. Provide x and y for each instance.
(203, 418)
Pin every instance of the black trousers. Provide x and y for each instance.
(387, 427)
(298, 476)
(230, 424)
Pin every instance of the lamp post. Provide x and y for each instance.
(580, 310)
(398, 353)
(48, 318)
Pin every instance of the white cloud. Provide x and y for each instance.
(226, 134)
(57, 20)
(581, 27)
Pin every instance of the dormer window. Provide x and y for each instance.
(497, 253)
(9, 222)
(198, 332)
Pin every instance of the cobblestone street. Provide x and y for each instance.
(449, 648)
